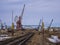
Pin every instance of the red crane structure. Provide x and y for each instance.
(18, 23)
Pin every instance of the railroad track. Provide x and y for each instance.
(18, 40)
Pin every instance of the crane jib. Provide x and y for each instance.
(23, 11)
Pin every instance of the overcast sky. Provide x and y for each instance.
(34, 11)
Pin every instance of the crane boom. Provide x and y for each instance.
(50, 24)
(22, 11)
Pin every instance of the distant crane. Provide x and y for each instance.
(39, 25)
(5, 25)
(12, 26)
(42, 30)
(2, 26)
(1, 23)
(18, 23)
(50, 26)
